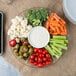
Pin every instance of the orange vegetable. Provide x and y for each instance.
(55, 25)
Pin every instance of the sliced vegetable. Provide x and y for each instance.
(57, 43)
(55, 25)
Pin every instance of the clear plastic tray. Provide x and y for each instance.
(26, 62)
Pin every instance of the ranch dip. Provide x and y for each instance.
(38, 37)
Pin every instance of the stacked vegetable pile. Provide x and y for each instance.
(21, 47)
(37, 17)
(20, 28)
(56, 45)
(40, 57)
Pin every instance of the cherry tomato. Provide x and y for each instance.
(24, 43)
(40, 55)
(35, 50)
(31, 61)
(35, 63)
(44, 59)
(32, 57)
(45, 52)
(49, 59)
(44, 63)
(37, 54)
(48, 62)
(39, 60)
(40, 65)
(43, 49)
(40, 51)
(36, 59)
(47, 55)
(12, 43)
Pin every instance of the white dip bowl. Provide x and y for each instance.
(38, 37)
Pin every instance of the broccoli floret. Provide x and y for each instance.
(29, 12)
(36, 22)
(44, 13)
(38, 15)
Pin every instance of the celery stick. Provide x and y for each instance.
(66, 41)
(54, 47)
(49, 49)
(59, 37)
(64, 45)
(56, 50)
(57, 54)
(60, 46)
(57, 41)
(52, 52)
(60, 49)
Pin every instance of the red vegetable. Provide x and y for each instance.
(37, 54)
(32, 57)
(40, 65)
(24, 43)
(39, 60)
(36, 59)
(44, 63)
(47, 55)
(50, 59)
(35, 63)
(12, 43)
(40, 51)
(48, 62)
(40, 57)
(35, 50)
(44, 59)
(44, 52)
(31, 61)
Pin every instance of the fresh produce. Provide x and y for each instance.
(57, 43)
(24, 43)
(12, 43)
(22, 49)
(40, 57)
(17, 40)
(19, 28)
(55, 25)
(36, 17)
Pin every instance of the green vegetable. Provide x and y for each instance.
(49, 50)
(36, 17)
(29, 12)
(30, 50)
(44, 14)
(59, 37)
(60, 46)
(57, 43)
(36, 22)
(16, 47)
(25, 54)
(23, 48)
